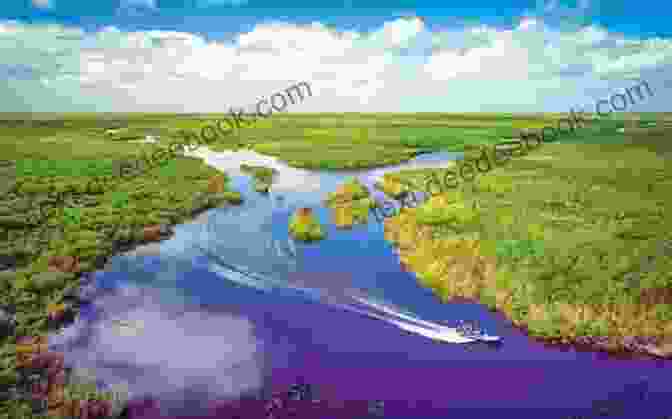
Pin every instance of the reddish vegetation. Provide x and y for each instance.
(56, 312)
(63, 264)
(31, 352)
(304, 212)
(216, 184)
(27, 348)
(84, 409)
(152, 233)
(653, 296)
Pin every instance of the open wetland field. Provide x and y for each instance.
(219, 275)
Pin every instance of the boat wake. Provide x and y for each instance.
(353, 300)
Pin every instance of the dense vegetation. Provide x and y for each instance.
(566, 240)
(100, 214)
(263, 176)
(578, 234)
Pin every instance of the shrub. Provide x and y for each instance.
(436, 212)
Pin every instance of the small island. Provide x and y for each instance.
(304, 226)
(351, 204)
(263, 176)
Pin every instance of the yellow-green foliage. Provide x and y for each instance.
(350, 204)
(451, 208)
(351, 190)
(305, 227)
(263, 176)
(573, 231)
(347, 214)
(261, 173)
(232, 197)
(392, 185)
(361, 208)
(156, 197)
(87, 392)
(112, 211)
(489, 182)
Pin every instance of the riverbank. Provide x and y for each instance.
(550, 240)
(45, 254)
(45, 263)
(169, 195)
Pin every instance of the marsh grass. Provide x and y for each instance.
(314, 141)
(350, 141)
(263, 176)
(93, 215)
(304, 226)
(565, 232)
(595, 204)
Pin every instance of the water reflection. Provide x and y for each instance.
(231, 304)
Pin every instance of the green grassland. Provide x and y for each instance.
(351, 140)
(580, 230)
(63, 156)
(567, 222)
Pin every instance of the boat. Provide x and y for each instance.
(436, 331)
(471, 330)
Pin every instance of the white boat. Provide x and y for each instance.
(470, 330)
(446, 335)
(464, 333)
(488, 338)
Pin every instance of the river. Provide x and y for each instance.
(230, 306)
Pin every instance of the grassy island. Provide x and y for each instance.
(350, 204)
(263, 176)
(304, 226)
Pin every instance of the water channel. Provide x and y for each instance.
(231, 306)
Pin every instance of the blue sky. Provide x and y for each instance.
(365, 56)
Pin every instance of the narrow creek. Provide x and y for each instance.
(230, 306)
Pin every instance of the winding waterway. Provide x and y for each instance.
(231, 306)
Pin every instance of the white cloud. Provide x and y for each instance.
(400, 66)
(42, 4)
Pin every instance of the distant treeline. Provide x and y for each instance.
(74, 123)
(33, 123)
